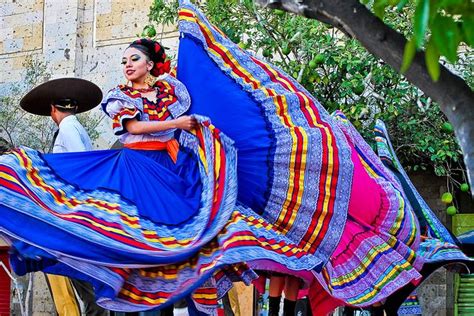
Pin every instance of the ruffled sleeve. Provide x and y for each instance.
(120, 113)
(184, 100)
(120, 108)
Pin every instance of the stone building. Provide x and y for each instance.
(76, 38)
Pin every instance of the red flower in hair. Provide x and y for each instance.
(161, 68)
(157, 54)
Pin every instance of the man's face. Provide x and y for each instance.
(54, 114)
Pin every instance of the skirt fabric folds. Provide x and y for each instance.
(305, 195)
(323, 186)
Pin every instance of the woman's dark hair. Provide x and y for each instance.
(155, 52)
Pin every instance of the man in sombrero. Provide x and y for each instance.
(62, 99)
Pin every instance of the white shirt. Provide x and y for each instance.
(72, 136)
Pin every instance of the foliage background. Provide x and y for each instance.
(343, 75)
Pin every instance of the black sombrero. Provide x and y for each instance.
(84, 94)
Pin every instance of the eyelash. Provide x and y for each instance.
(133, 59)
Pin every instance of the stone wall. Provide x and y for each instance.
(76, 38)
(21, 33)
(39, 301)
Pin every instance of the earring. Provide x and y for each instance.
(150, 80)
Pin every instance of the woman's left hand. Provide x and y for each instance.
(186, 122)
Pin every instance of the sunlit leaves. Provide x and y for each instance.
(343, 75)
(439, 26)
(164, 11)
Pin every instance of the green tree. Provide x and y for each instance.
(442, 27)
(342, 74)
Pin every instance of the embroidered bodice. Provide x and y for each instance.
(124, 103)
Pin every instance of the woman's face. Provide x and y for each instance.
(136, 65)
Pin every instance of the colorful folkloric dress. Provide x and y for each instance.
(313, 177)
(165, 218)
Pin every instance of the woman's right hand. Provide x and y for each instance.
(186, 122)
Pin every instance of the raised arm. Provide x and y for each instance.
(136, 127)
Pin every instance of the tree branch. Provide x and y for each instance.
(454, 96)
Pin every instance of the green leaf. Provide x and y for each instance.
(446, 36)
(408, 55)
(401, 4)
(468, 30)
(379, 7)
(432, 60)
(248, 3)
(422, 14)
(447, 3)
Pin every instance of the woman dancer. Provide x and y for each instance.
(313, 200)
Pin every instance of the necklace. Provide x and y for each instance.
(143, 90)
